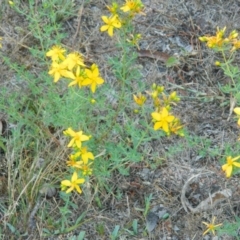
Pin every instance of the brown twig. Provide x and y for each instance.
(79, 23)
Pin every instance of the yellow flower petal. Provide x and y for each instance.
(228, 171)
(66, 183)
(104, 28)
(237, 110)
(236, 164)
(156, 116)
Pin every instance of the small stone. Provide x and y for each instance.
(47, 191)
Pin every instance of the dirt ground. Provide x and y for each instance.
(190, 175)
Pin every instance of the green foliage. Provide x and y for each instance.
(230, 229)
(172, 61)
(114, 235)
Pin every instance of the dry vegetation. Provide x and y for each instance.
(186, 172)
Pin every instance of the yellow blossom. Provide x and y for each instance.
(233, 35)
(173, 97)
(162, 120)
(93, 101)
(134, 40)
(78, 78)
(217, 63)
(157, 102)
(176, 128)
(139, 99)
(56, 53)
(11, 3)
(92, 78)
(59, 70)
(72, 162)
(111, 23)
(236, 45)
(228, 167)
(74, 60)
(154, 94)
(72, 184)
(237, 111)
(211, 226)
(215, 41)
(220, 32)
(86, 155)
(86, 170)
(77, 137)
(113, 9)
(133, 6)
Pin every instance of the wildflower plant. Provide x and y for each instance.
(227, 46)
(162, 117)
(72, 93)
(78, 162)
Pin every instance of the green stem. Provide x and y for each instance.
(227, 64)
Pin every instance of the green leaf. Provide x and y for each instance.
(172, 61)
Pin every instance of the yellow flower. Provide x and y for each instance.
(228, 167)
(59, 70)
(154, 94)
(217, 63)
(237, 111)
(74, 60)
(113, 9)
(78, 77)
(220, 33)
(86, 155)
(77, 137)
(56, 53)
(156, 91)
(162, 120)
(73, 184)
(140, 99)
(111, 23)
(11, 3)
(92, 78)
(176, 128)
(72, 162)
(86, 170)
(215, 41)
(134, 40)
(203, 39)
(173, 97)
(233, 35)
(236, 45)
(133, 6)
(157, 102)
(211, 226)
(93, 101)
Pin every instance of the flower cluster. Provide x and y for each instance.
(78, 162)
(162, 117)
(131, 7)
(219, 41)
(72, 67)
